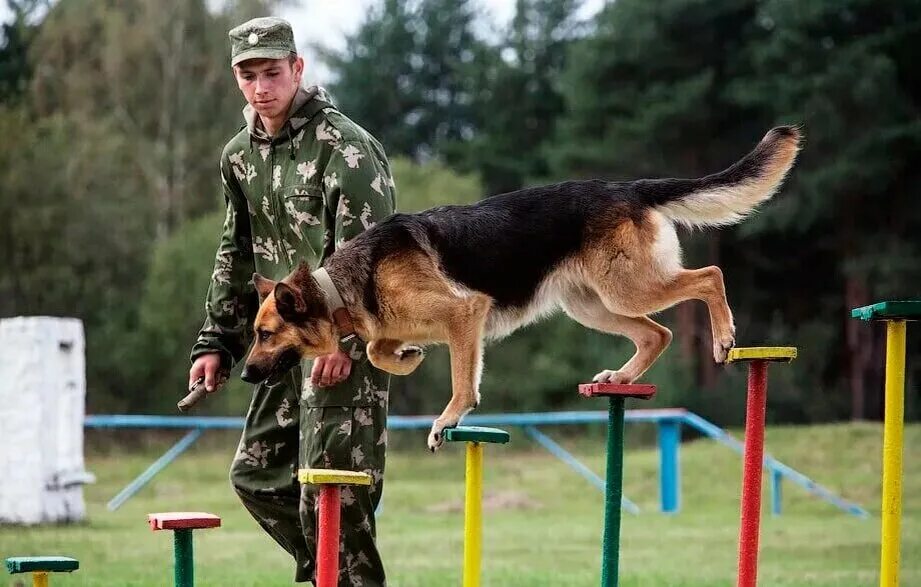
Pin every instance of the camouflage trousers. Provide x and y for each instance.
(340, 427)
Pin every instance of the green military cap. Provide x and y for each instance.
(261, 38)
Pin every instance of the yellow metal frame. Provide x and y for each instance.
(473, 514)
(333, 477)
(762, 353)
(40, 579)
(892, 453)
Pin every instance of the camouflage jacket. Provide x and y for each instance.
(318, 183)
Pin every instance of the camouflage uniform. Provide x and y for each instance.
(319, 182)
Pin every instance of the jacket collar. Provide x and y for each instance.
(306, 103)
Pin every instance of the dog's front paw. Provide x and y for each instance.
(722, 347)
(608, 376)
(436, 437)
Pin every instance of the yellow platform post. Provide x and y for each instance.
(894, 314)
(473, 514)
(892, 453)
(475, 437)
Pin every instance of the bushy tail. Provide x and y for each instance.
(728, 196)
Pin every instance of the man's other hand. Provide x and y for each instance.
(331, 369)
(206, 366)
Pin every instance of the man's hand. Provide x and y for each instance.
(331, 369)
(206, 366)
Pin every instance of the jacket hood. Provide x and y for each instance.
(307, 102)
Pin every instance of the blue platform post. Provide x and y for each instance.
(669, 475)
(776, 492)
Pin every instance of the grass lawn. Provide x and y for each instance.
(542, 521)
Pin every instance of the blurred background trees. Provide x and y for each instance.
(110, 207)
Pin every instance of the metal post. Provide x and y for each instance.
(669, 473)
(776, 492)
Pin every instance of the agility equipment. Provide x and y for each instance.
(753, 455)
(182, 524)
(330, 482)
(40, 566)
(617, 393)
(475, 437)
(895, 314)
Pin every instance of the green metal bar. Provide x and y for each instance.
(182, 553)
(613, 493)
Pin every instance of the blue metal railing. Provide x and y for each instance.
(668, 421)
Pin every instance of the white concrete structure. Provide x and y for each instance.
(42, 398)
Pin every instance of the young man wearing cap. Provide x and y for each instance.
(299, 180)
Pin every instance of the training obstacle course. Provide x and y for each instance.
(475, 437)
(41, 566)
(756, 407)
(616, 393)
(895, 314)
(182, 524)
(330, 502)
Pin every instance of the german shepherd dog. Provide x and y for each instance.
(606, 252)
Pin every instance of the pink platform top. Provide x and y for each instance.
(637, 390)
(182, 521)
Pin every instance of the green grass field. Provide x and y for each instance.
(542, 522)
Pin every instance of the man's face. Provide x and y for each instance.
(269, 85)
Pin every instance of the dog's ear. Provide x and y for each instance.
(295, 305)
(289, 304)
(264, 286)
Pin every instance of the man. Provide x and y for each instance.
(299, 181)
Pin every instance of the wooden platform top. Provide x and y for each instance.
(333, 477)
(48, 564)
(182, 521)
(634, 390)
(896, 310)
(476, 434)
(782, 354)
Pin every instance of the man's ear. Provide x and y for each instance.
(297, 70)
(263, 285)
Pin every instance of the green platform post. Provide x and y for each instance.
(182, 525)
(613, 492)
(183, 556)
(617, 393)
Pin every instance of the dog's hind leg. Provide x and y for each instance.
(395, 356)
(704, 284)
(650, 338)
(636, 270)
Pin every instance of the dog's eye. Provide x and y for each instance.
(264, 335)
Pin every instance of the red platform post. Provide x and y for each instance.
(328, 537)
(750, 523)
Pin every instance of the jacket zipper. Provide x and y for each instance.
(282, 250)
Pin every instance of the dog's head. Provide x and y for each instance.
(293, 323)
